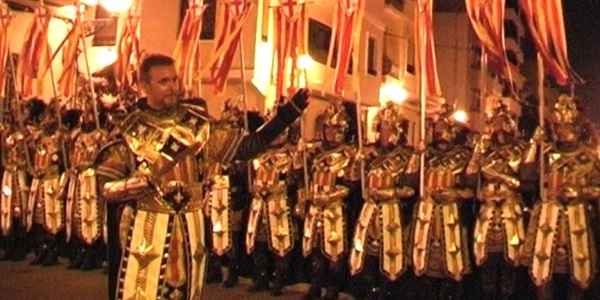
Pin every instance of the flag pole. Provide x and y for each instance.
(244, 96)
(420, 44)
(541, 107)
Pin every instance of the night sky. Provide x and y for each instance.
(582, 22)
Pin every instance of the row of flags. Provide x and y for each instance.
(544, 20)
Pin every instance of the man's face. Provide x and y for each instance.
(566, 133)
(162, 88)
(387, 134)
(334, 134)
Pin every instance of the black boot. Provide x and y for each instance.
(213, 274)
(332, 293)
(232, 277)
(77, 261)
(90, 262)
(278, 283)
(314, 292)
(51, 257)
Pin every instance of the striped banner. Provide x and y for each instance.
(347, 35)
(487, 19)
(34, 60)
(187, 50)
(127, 46)
(290, 44)
(68, 76)
(233, 15)
(425, 49)
(546, 25)
(5, 19)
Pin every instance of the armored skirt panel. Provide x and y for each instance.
(13, 200)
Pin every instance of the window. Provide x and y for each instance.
(512, 57)
(209, 20)
(511, 30)
(398, 4)
(410, 58)
(266, 13)
(319, 37)
(371, 56)
(106, 28)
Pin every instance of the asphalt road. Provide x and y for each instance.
(20, 281)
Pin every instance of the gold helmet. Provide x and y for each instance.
(232, 114)
(501, 118)
(444, 126)
(390, 117)
(565, 111)
(335, 122)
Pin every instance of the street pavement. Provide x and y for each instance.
(20, 281)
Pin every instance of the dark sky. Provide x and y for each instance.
(582, 22)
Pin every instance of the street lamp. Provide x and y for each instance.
(116, 6)
(460, 116)
(393, 92)
(304, 63)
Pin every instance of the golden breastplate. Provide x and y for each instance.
(568, 170)
(85, 149)
(47, 154)
(268, 169)
(153, 138)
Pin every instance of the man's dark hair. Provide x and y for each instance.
(151, 61)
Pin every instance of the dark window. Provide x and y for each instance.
(105, 27)
(264, 29)
(512, 57)
(334, 59)
(319, 37)
(410, 58)
(208, 18)
(371, 61)
(511, 30)
(514, 4)
(398, 4)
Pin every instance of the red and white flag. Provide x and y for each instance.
(233, 15)
(5, 19)
(290, 44)
(547, 28)
(425, 49)
(347, 34)
(128, 51)
(187, 50)
(68, 76)
(487, 19)
(34, 60)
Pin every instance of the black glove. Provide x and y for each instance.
(300, 99)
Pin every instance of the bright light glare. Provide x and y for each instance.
(460, 116)
(107, 57)
(116, 6)
(305, 62)
(393, 92)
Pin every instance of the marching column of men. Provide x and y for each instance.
(465, 232)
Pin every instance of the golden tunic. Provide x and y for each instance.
(560, 238)
(499, 227)
(84, 212)
(439, 247)
(379, 230)
(325, 226)
(164, 250)
(15, 192)
(46, 188)
(270, 210)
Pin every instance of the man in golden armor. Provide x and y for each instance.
(270, 224)
(380, 238)
(15, 185)
(325, 237)
(84, 211)
(45, 208)
(155, 169)
(228, 192)
(560, 250)
(440, 253)
(499, 230)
